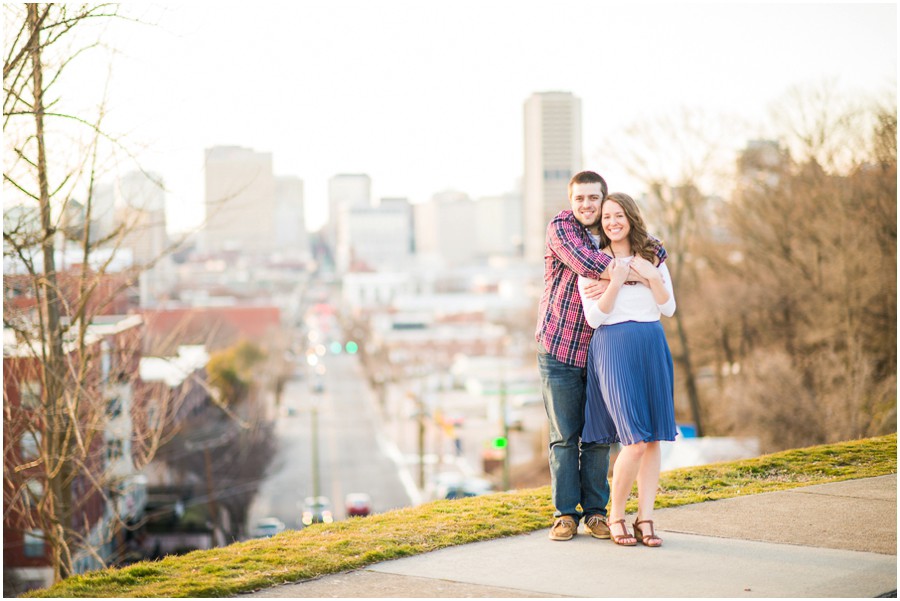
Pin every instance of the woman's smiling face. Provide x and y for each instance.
(614, 221)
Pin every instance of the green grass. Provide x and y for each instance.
(326, 549)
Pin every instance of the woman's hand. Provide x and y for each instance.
(645, 269)
(619, 271)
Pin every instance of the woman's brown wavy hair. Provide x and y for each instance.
(641, 243)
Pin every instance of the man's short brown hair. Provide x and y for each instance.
(588, 177)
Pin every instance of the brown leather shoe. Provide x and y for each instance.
(596, 526)
(564, 528)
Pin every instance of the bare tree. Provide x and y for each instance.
(820, 122)
(678, 159)
(788, 287)
(53, 159)
(819, 303)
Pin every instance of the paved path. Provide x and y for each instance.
(829, 540)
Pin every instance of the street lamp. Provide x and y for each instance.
(505, 429)
(314, 436)
(314, 425)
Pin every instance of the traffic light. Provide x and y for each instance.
(351, 347)
(499, 442)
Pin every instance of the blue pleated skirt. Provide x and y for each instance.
(630, 385)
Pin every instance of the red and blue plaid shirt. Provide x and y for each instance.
(562, 328)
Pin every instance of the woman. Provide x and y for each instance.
(630, 372)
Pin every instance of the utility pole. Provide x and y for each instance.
(421, 410)
(206, 446)
(314, 416)
(210, 490)
(505, 428)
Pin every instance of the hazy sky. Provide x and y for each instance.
(427, 95)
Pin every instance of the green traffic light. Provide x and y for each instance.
(351, 347)
(499, 442)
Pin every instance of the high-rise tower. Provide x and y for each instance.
(291, 237)
(141, 211)
(552, 156)
(240, 201)
(346, 191)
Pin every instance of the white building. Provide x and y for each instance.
(452, 230)
(498, 226)
(141, 210)
(376, 238)
(346, 191)
(369, 291)
(444, 229)
(553, 154)
(103, 211)
(240, 201)
(291, 236)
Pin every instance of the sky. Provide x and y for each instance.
(427, 95)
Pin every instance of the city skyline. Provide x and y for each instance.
(426, 98)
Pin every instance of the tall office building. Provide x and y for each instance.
(553, 155)
(452, 230)
(240, 201)
(444, 228)
(346, 191)
(291, 236)
(376, 238)
(498, 225)
(141, 209)
(103, 211)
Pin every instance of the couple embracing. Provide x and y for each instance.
(606, 370)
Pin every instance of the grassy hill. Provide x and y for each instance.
(329, 548)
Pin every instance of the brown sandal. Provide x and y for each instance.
(620, 539)
(649, 540)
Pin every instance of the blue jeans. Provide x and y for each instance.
(578, 471)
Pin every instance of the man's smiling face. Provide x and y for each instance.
(585, 200)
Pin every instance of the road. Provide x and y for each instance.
(354, 454)
(477, 426)
(361, 447)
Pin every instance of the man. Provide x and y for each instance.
(578, 472)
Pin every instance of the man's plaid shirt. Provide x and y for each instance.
(569, 252)
(562, 328)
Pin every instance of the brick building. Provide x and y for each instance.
(106, 490)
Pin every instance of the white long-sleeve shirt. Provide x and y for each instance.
(633, 303)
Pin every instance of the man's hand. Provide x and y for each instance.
(596, 288)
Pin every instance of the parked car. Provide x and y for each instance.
(514, 420)
(267, 527)
(527, 400)
(452, 485)
(358, 504)
(316, 510)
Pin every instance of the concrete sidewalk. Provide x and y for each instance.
(829, 540)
